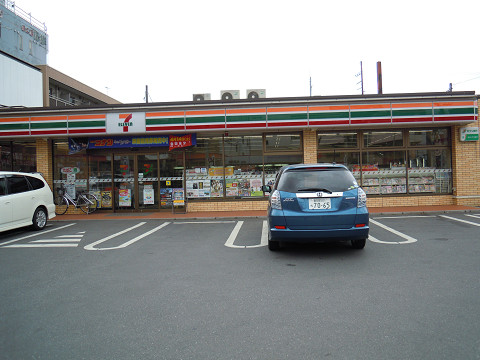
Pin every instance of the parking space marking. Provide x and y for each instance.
(398, 233)
(233, 235)
(460, 220)
(59, 241)
(405, 216)
(204, 222)
(475, 216)
(33, 235)
(125, 244)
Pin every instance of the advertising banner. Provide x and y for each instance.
(118, 142)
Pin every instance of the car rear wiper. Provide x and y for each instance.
(316, 189)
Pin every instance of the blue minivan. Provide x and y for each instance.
(316, 202)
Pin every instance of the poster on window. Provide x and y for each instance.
(198, 188)
(231, 187)
(216, 188)
(256, 187)
(124, 197)
(148, 195)
(166, 197)
(106, 201)
(178, 196)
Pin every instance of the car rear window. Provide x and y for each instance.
(309, 180)
(36, 183)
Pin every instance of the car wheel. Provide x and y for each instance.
(273, 245)
(39, 219)
(359, 244)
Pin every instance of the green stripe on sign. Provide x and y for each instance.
(416, 112)
(330, 115)
(246, 118)
(454, 111)
(86, 124)
(370, 114)
(206, 119)
(165, 121)
(14, 126)
(49, 125)
(278, 117)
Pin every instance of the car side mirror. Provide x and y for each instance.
(266, 188)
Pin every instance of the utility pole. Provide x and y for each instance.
(361, 76)
(146, 94)
(310, 86)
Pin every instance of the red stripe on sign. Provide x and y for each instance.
(14, 133)
(87, 131)
(410, 120)
(372, 121)
(48, 132)
(286, 123)
(334, 122)
(245, 126)
(455, 118)
(160, 128)
(199, 127)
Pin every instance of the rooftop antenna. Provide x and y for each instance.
(310, 86)
(361, 77)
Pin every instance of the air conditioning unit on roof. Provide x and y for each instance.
(201, 97)
(229, 94)
(256, 93)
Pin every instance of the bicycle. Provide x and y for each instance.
(86, 202)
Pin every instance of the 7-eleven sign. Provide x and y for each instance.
(126, 123)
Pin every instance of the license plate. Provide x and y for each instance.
(319, 204)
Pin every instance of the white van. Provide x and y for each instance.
(25, 199)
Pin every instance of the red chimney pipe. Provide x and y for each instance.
(379, 77)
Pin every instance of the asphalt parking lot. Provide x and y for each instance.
(190, 289)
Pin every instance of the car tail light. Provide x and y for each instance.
(362, 198)
(275, 201)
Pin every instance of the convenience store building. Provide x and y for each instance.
(403, 149)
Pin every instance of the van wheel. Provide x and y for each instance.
(359, 244)
(39, 219)
(273, 245)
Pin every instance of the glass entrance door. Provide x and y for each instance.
(124, 181)
(147, 194)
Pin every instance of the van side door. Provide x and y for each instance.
(5, 204)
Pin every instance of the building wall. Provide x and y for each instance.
(20, 84)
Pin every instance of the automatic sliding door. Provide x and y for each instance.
(124, 181)
(148, 181)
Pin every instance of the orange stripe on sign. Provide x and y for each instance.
(289, 109)
(370, 107)
(87, 117)
(206, 112)
(49, 118)
(411, 105)
(13, 119)
(456, 103)
(165, 113)
(327, 108)
(246, 111)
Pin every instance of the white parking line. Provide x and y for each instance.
(404, 217)
(30, 245)
(460, 220)
(475, 216)
(125, 244)
(408, 238)
(36, 234)
(236, 230)
(203, 222)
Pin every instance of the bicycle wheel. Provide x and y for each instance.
(87, 203)
(61, 205)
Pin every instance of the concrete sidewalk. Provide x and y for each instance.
(398, 210)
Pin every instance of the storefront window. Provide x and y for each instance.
(350, 159)
(100, 179)
(382, 138)
(429, 171)
(70, 170)
(205, 169)
(171, 177)
(243, 166)
(429, 137)
(283, 142)
(25, 156)
(124, 181)
(6, 156)
(337, 140)
(384, 172)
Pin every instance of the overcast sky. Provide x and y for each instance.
(179, 48)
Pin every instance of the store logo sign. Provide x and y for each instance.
(126, 123)
(129, 123)
(469, 134)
